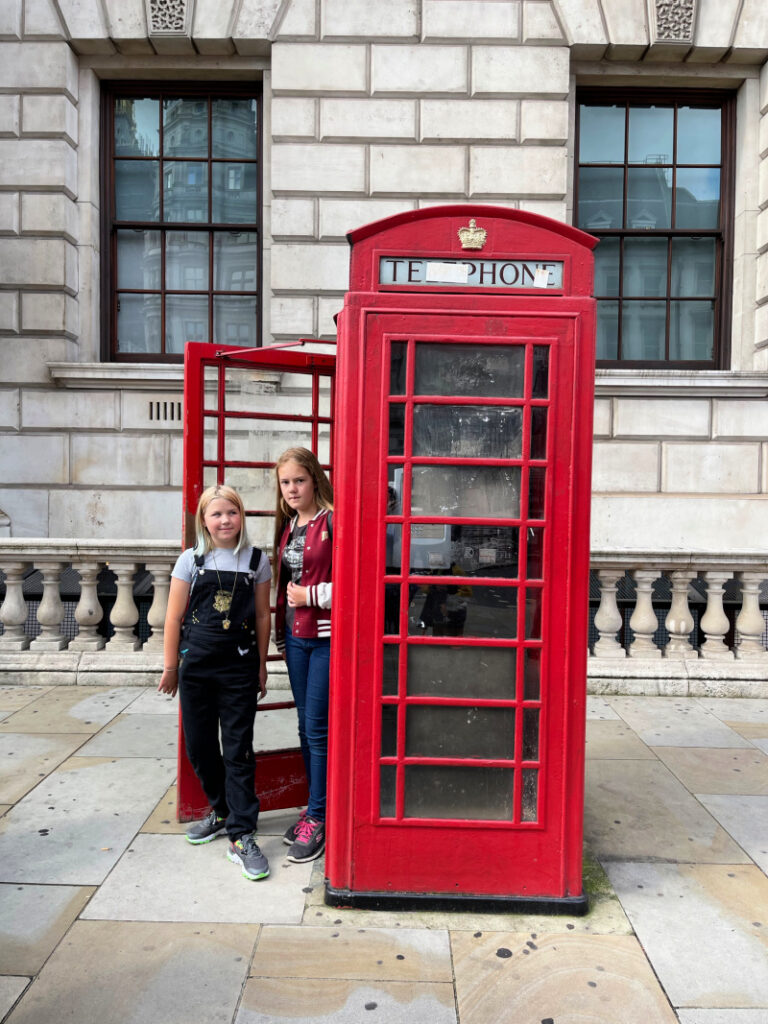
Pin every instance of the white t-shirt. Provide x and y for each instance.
(224, 560)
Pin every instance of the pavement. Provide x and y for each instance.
(107, 915)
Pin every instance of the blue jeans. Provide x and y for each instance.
(308, 664)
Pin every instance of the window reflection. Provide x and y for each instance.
(530, 794)
(451, 791)
(476, 732)
(450, 671)
(464, 550)
(460, 609)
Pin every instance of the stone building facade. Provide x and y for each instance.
(366, 109)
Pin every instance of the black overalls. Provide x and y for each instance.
(219, 687)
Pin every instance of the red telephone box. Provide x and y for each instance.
(465, 379)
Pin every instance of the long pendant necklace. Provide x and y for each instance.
(222, 601)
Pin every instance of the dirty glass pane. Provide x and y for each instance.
(468, 431)
(540, 384)
(211, 378)
(389, 730)
(138, 323)
(442, 671)
(251, 388)
(136, 190)
(393, 548)
(396, 429)
(530, 794)
(535, 568)
(210, 438)
(488, 371)
(538, 432)
(257, 440)
(257, 489)
(459, 610)
(390, 670)
(234, 124)
(531, 673)
(537, 479)
(450, 791)
(395, 490)
(391, 608)
(530, 734)
(388, 788)
(137, 127)
(533, 607)
(471, 491)
(460, 732)
(398, 351)
(235, 193)
(465, 550)
(138, 259)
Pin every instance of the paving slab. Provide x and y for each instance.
(537, 976)
(163, 818)
(719, 770)
(353, 954)
(165, 878)
(276, 730)
(150, 702)
(135, 735)
(746, 819)
(639, 810)
(704, 928)
(675, 722)
(14, 697)
(614, 739)
(315, 1001)
(33, 919)
(26, 758)
(599, 709)
(70, 709)
(10, 990)
(74, 826)
(138, 972)
(728, 1016)
(734, 709)
(4, 808)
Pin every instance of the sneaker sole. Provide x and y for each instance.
(207, 839)
(251, 878)
(306, 860)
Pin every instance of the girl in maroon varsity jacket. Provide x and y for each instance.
(302, 570)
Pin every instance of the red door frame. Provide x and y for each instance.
(280, 780)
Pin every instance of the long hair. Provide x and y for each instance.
(203, 542)
(323, 492)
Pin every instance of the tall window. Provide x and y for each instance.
(181, 191)
(653, 183)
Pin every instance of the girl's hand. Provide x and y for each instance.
(263, 680)
(296, 595)
(169, 681)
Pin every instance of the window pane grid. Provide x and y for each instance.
(661, 222)
(184, 180)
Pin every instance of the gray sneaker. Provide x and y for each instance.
(309, 842)
(206, 830)
(245, 851)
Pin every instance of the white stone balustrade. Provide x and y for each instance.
(727, 661)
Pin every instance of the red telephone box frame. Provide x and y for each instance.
(385, 859)
(279, 775)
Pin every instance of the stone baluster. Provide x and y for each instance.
(679, 621)
(125, 614)
(51, 610)
(749, 622)
(608, 619)
(714, 621)
(88, 612)
(13, 612)
(161, 581)
(643, 621)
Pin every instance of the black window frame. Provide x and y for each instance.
(725, 101)
(206, 92)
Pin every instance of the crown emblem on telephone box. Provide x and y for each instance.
(472, 237)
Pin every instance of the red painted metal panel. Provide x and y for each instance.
(279, 775)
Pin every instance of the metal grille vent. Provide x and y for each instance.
(163, 412)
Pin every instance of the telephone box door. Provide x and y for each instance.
(242, 409)
(464, 513)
